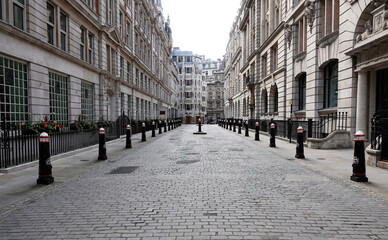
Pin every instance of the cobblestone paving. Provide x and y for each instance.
(215, 186)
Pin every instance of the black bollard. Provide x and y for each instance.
(299, 143)
(257, 134)
(160, 127)
(358, 165)
(272, 138)
(165, 126)
(101, 145)
(169, 123)
(153, 129)
(199, 125)
(45, 167)
(246, 129)
(234, 125)
(128, 142)
(143, 134)
(239, 127)
(230, 125)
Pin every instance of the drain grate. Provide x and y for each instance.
(187, 161)
(123, 170)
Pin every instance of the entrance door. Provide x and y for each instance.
(188, 120)
(382, 90)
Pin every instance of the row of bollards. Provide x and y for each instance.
(45, 167)
(359, 170)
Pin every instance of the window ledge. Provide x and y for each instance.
(326, 111)
(328, 39)
(300, 56)
(300, 114)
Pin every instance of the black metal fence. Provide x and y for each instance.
(19, 143)
(319, 128)
(379, 133)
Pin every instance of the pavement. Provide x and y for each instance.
(178, 185)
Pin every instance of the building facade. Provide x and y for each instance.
(66, 60)
(191, 107)
(306, 59)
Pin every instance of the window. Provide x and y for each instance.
(137, 77)
(264, 100)
(90, 48)
(1, 9)
(274, 57)
(188, 94)
(188, 70)
(128, 35)
(121, 21)
(264, 65)
(87, 101)
(188, 59)
(90, 3)
(18, 14)
(63, 32)
(129, 72)
(82, 44)
(302, 92)
(330, 16)
(58, 97)
(13, 90)
(331, 84)
(136, 42)
(129, 103)
(189, 82)
(109, 13)
(275, 100)
(50, 24)
(302, 35)
(121, 67)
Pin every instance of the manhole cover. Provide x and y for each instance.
(187, 161)
(84, 160)
(123, 170)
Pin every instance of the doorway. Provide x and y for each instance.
(382, 90)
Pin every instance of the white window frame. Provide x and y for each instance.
(64, 32)
(82, 44)
(53, 25)
(109, 12)
(11, 13)
(90, 48)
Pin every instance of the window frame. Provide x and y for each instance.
(63, 34)
(51, 24)
(82, 44)
(302, 92)
(17, 3)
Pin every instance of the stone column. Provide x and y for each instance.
(362, 102)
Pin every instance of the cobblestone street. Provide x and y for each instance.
(183, 186)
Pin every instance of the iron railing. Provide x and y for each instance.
(379, 133)
(319, 128)
(19, 142)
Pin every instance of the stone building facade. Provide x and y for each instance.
(307, 59)
(191, 106)
(87, 59)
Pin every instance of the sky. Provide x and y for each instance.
(201, 26)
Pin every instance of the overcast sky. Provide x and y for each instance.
(201, 26)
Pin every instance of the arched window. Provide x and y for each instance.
(331, 84)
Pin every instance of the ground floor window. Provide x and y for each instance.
(59, 98)
(302, 92)
(13, 91)
(87, 101)
(331, 84)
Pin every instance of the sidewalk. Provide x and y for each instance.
(20, 185)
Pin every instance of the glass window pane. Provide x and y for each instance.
(18, 17)
(63, 41)
(50, 13)
(63, 22)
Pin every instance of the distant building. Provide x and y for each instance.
(190, 106)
